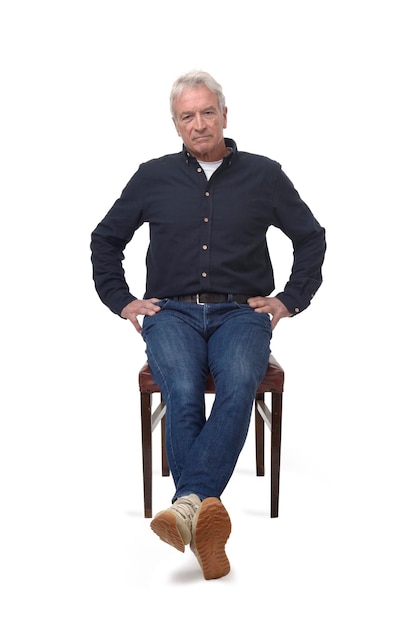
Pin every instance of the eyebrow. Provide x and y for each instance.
(209, 108)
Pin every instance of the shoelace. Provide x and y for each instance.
(185, 508)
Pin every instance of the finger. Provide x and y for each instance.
(150, 311)
(274, 321)
(149, 307)
(136, 324)
(263, 308)
(256, 302)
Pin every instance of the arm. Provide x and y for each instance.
(108, 242)
(296, 220)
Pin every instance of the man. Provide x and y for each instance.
(207, 304)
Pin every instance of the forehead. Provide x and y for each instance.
(194, 99)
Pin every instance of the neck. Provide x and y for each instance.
(209, 157)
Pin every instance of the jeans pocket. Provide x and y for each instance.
(162, 303)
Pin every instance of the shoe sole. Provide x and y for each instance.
(211, 530)
(165, 526)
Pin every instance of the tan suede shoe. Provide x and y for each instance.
(211, 528)
(174, 524)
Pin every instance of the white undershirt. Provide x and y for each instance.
(210, 167)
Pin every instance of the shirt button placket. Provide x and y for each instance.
(204, 244)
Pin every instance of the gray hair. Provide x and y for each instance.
(194, 79)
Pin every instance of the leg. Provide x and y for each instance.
(238, 352)
(177, 356)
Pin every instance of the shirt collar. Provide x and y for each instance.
(230, 143)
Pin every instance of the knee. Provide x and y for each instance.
(183, 391)
(241, 376)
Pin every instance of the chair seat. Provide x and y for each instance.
(273, 379)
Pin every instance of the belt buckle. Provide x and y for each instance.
(197, 299)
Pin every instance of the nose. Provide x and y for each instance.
(199, 122)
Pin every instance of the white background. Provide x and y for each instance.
(327, 88)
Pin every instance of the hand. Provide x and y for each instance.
(139, 307)
(273, 306)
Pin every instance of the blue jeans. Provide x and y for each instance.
(184, 341)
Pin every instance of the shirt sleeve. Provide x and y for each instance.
(108, 241)
(297, 221)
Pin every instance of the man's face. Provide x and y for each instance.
(200, 123)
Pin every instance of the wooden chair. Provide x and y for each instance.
(271, 415)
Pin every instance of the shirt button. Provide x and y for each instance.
(206, 219)
(204, 274)
(205, 247)
(199, 169)
(297, 310)
(207, 194)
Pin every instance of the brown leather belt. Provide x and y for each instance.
(213, 298)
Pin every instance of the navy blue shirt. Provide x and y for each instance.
(209, 235)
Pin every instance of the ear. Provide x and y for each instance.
(225, 117)
(176, 127)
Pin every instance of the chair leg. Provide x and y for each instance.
(145, 400)
(276, 426)
(164, 458)
(259, 437)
